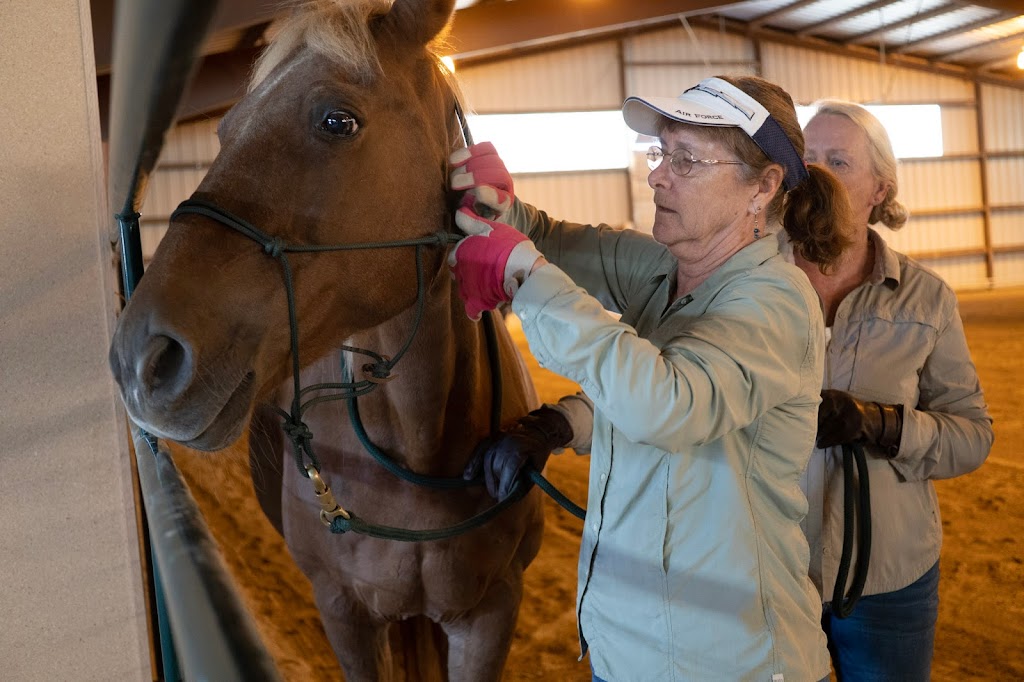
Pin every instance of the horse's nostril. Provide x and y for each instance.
(164, 363)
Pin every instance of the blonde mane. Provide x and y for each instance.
(338, 29)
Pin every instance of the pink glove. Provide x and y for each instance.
(480, 171)
(491, 263)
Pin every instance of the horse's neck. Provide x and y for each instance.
(436, 408)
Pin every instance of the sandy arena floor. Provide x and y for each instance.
(981, 620)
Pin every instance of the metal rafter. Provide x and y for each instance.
(949, 56)
(956, 30)
(1001, 62)
(856, 52)
(908, 21)
(811, 29)
(780, 11)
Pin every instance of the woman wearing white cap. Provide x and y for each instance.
(693, 565)
(899, 378)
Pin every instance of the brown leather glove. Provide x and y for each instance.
(530, 440)
(842, 419)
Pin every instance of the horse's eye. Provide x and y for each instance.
(339, 122)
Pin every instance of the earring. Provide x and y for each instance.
(757, 232)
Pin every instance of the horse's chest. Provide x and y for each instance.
(395, 579)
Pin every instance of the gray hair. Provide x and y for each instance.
(890, 212)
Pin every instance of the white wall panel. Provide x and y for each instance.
(664, 63)
(675, 44)
(937, 233)
(935, 185)
(1002, 111)
(582, 78)
(669, 81)
(590, 198)
(1006, 180)
(184, 159)
(193, 142)
(961, 273)
(959, 130)
(168, 188)
(1008, 228)
(809, 75)
(1009, 269)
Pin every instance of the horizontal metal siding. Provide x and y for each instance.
(959, 130)
(666, 62)
(1002, 111)
(937, 233)
(809, 75)
(1008, 228)
(585, 78)
(193, 142)
(1006, 181)
(589, 198)
(939, 185)
(678, 45)
(967, 272)
(187, 153)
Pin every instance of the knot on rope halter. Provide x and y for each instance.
(297, 431)
(274, 247)
(379, 371)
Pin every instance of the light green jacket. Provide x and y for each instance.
(693, 565)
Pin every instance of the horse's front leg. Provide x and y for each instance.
(359, 639)
(479, 640)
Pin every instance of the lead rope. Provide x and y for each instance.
(856, 510)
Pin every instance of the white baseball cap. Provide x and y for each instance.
(716, 102)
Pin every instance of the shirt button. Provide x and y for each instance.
(524, 315)
(594, 526)
(604, 476)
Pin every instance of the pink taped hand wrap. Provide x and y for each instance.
(491, 263)
(482, 174)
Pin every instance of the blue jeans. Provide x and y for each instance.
(888, 637)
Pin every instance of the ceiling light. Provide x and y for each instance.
(1020, 59)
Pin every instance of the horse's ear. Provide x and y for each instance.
(417, 21)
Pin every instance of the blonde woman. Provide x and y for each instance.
(898, 378)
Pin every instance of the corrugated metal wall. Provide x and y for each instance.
(188, 151)
(950, 229)
(1003, 123)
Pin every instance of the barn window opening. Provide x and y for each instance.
(914, 129)
(557, 141)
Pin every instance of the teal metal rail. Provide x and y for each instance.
(205, 632)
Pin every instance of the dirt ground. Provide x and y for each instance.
(981, 620)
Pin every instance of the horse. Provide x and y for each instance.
(318, 239)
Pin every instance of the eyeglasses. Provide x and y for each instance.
(680, 161)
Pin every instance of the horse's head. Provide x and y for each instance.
(342, 139)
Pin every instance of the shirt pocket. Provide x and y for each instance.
(890, 356)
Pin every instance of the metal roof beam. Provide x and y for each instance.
(859, 52)
(489, 28)
(763, 19)
(810, 29)
(956, 30)
(949, 56)
(908, 21)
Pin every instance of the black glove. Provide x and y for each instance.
(531, 441)
(842, 419)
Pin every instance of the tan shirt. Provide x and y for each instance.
(898, 339)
